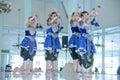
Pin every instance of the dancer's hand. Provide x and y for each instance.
(78, 6)
(36, 14)
(96, 10)
(58, 12)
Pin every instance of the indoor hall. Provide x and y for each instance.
(14, 15)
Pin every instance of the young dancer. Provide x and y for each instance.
(73, 41)
(28, 44)
(86, 46)
(52, 44)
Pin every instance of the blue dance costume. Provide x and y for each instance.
(85, 42)
(52, 43)
(86, 46)
(73, 41)
(29, 42)
(52, 40)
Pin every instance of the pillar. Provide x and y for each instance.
(103, 51)
(119, 57)
(0, 38)
(27, 8)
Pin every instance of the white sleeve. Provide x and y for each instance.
(79, 19)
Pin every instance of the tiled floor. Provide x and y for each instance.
(42, 76)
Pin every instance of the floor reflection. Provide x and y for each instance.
(43, 76)
(51, 76)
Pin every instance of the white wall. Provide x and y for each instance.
(14, 19)
(109, 13)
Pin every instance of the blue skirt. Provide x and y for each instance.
(28, 43)
(73, 42)
(52, 43)
(86, 46)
